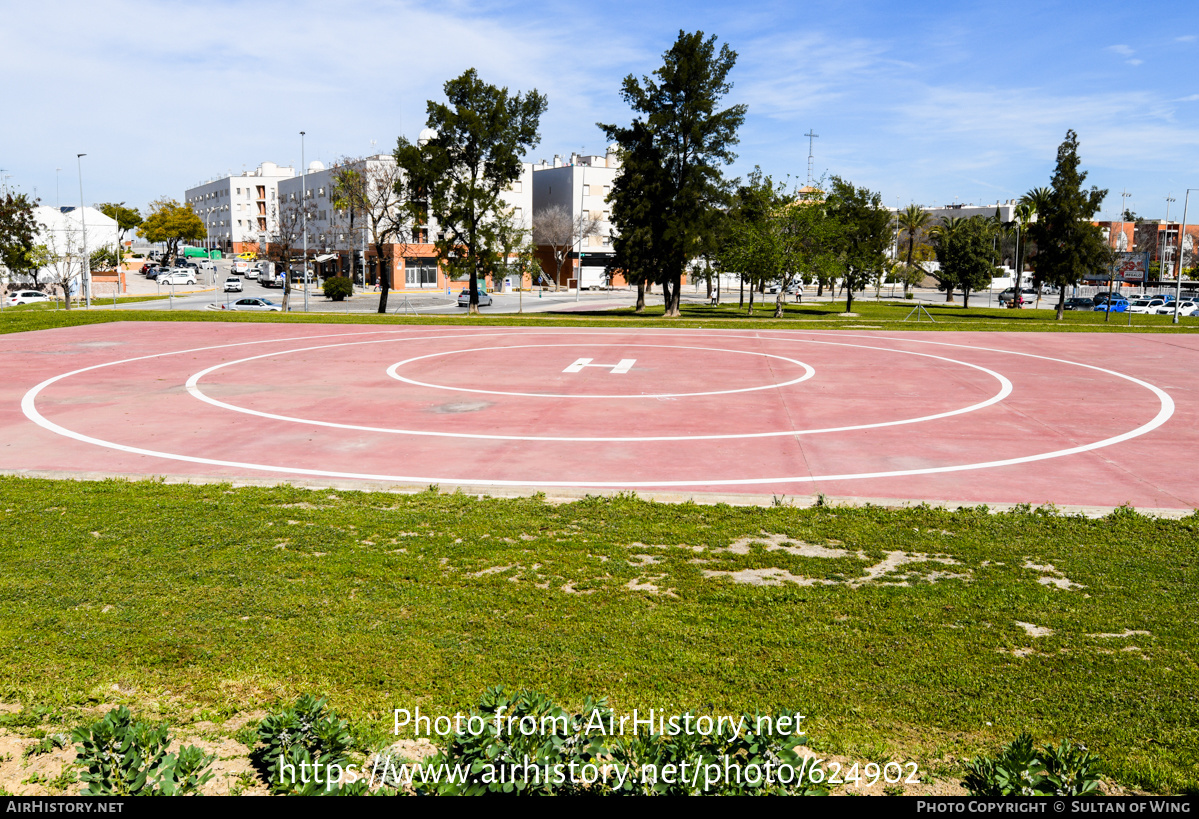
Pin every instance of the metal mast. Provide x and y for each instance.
(811, 135)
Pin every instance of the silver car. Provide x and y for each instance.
(258, 304)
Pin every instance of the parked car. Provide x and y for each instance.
(1146, 305)
(259, 304)
(233, 285)
(1079, 303)
(1185, 308)
(177, 275)
(207, 264)
(26, 297)
(249, 257)
(240, 267)
(1116, 304)
(464, 298)
(1027, 296)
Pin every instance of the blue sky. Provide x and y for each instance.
(927, 103)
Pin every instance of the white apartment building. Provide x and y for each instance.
(238, 211)
(414, 262)
(581, 185)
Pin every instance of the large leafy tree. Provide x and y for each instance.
(1068, 245)
(639, 216)
(18, 231)
(171, 223)
(457, 175)
(967, 255)
(754, 246)
(863, 234)
(679, 123)
(127, 219)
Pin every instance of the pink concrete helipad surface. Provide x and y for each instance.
(1064, 418)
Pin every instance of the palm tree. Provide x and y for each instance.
(1025, 210)
(911, 221)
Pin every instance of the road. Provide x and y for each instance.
(208, 293)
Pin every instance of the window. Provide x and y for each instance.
(515, 186)
(239, 191)
(607, 190)
(586, 190)
(517, 213)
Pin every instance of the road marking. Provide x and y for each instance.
(1165, 411)
(624, 366)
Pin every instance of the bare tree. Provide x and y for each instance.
(553, 227)
(65, 261)
(373, 188)
(289, 231)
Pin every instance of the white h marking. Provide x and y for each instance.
(624, 366)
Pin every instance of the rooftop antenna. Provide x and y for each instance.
(811, 135)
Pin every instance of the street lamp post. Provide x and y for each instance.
(1182, 238)
(87, 267)
(304, 212)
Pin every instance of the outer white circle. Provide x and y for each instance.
(393, 371)
(192, 386)
(29, 407)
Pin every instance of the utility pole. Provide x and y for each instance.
(1182, 238)
(304, 212)
(87, 266)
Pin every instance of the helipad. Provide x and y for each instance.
(1063, 418)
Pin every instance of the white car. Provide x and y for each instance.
(26, 297)
(1185, 308)
(177, 276)
(1145, 305)
(207, 264)
(260, 304)
(240, 267)
(233, 285)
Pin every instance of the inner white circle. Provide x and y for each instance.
(393, 371)
(193, 387)
(30, 410)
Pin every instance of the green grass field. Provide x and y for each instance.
(901, 634)
(808, 316)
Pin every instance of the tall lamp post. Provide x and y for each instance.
(87, 266)
(304, 212)
(1182, 238)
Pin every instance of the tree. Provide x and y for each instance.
(754, 244)
(691, 140)
(289, 220)
(967, 255)
(943, 234)
(554, 228)
(18, 231)
(1068, 245)
(171, 223)
(863, 234)
(638, 211)
(456, 176)
(127, 219)
(347, 206)
(914, 222)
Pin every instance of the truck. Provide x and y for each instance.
(267, 276)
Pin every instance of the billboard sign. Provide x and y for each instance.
(1131, 267)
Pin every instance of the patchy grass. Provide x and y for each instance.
(900, 633)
